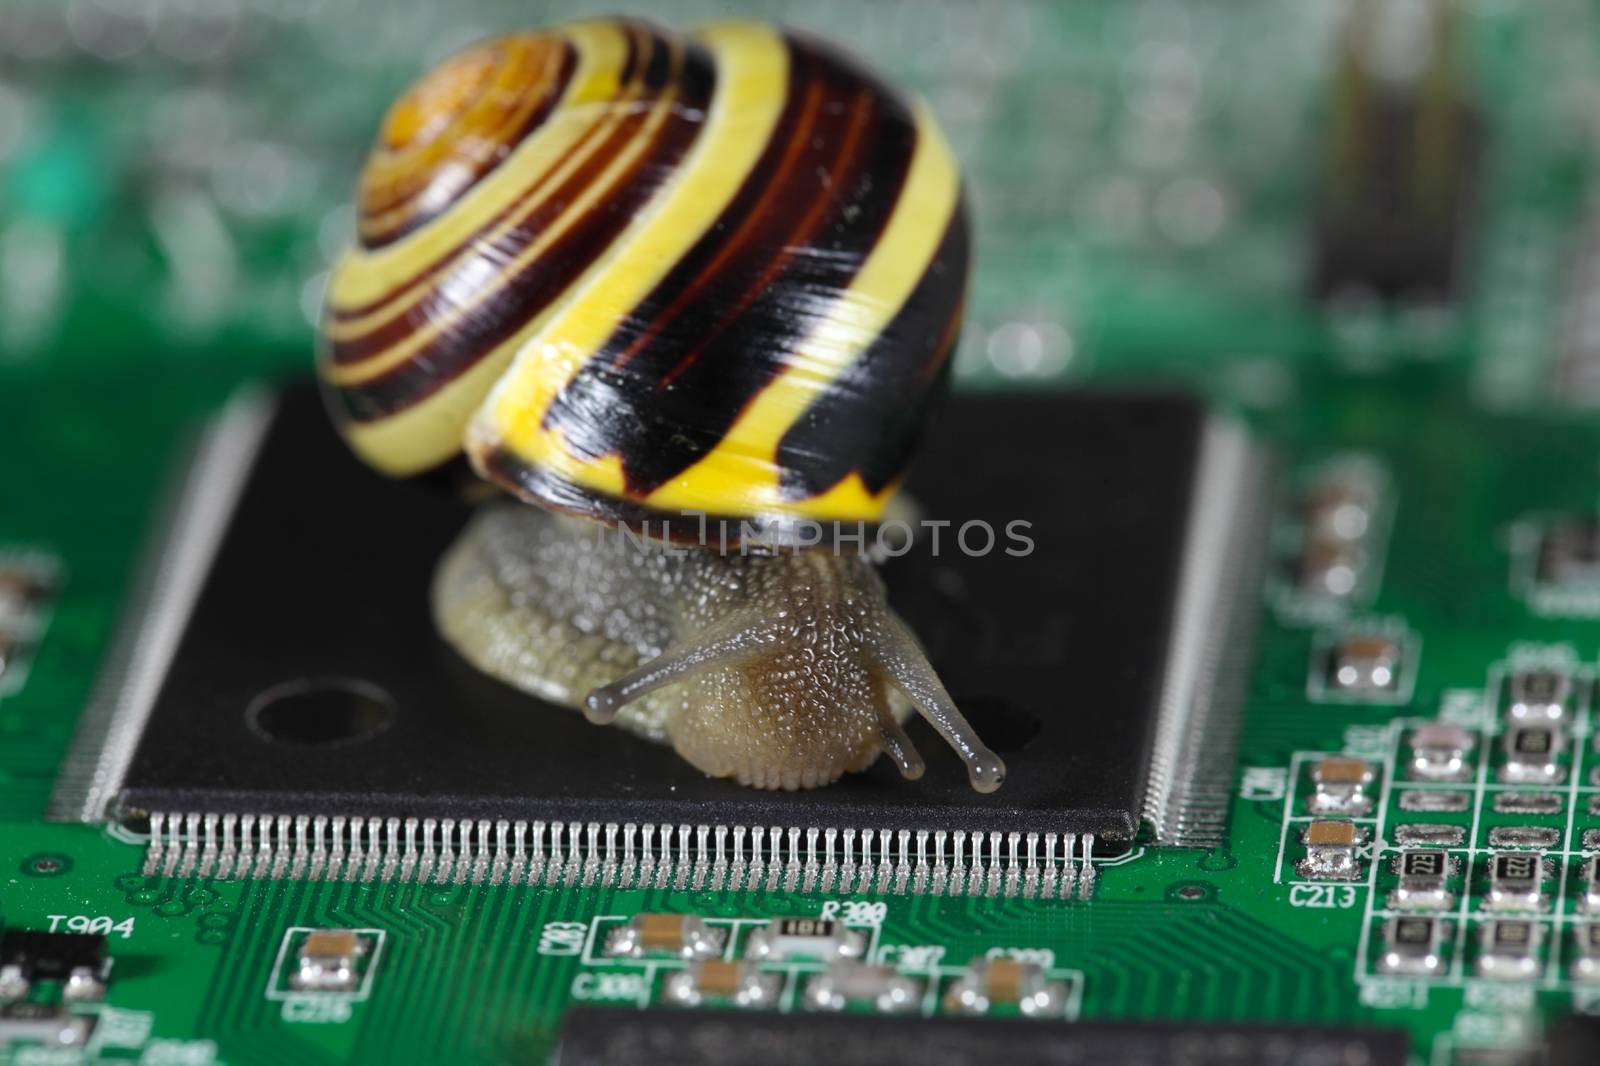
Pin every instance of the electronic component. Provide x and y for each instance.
(1413, 945)
(1416, 834)
(10, 649)
(1339, 531)
(77, 960)
(1589, 886)
(722, 980)
(1423, 877)
(1556, 565)
(23, 587)
(1517, 802)
(1365, 664)
(601, 1036)
(1516, 882)
(1577, 379)
(686, 936)
(1524, 836)
(1510, 949)
(848, 982)
(1573, 1040)
(1361, 667)
(1401, 159)
(1434, 801)
(1331, 851)
(46, 1025)
(1439, 752)
(1330, 570)
(330, 960)
(305, 748)
(1533, 754)
(1341, 786)
(990, 983)
(1591, 839)
(1341, 500)
(1541, 695)
(1586, 956)
(813, 938)
(26, 583)
(1569, 556)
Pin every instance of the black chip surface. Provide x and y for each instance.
(1574, 1041)
(315, 614)
(52, 956)
(1381, 228)
(594, 1035)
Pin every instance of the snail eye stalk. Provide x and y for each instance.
(739, 639)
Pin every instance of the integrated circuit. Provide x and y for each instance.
(310, 722)
(665, 1037)
(1404, 147)
(77, 961)
(1574, 1041)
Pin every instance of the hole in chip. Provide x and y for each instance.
(324, 712)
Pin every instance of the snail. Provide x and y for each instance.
(643, 278)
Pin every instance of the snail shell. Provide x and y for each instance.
(634, 273)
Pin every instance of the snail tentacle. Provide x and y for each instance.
(899, 655)
(738, 638)
(898, 746)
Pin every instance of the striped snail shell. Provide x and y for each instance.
(634, 273)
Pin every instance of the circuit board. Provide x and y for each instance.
(1363, 237)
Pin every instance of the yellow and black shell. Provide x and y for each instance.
(636, 273)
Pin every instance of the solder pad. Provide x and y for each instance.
(1098, 664)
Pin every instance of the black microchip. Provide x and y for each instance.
(594, 1035)
(1059, 659)
(48, 956)
(1399, 184)
(1574, 1041)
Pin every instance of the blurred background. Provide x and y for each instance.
(1151, 179)
(1370, 227)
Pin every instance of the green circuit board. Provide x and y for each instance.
(1151, 186)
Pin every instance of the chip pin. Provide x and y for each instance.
(230, 854)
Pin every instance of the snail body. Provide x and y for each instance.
(681, 646)
(639, 278)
